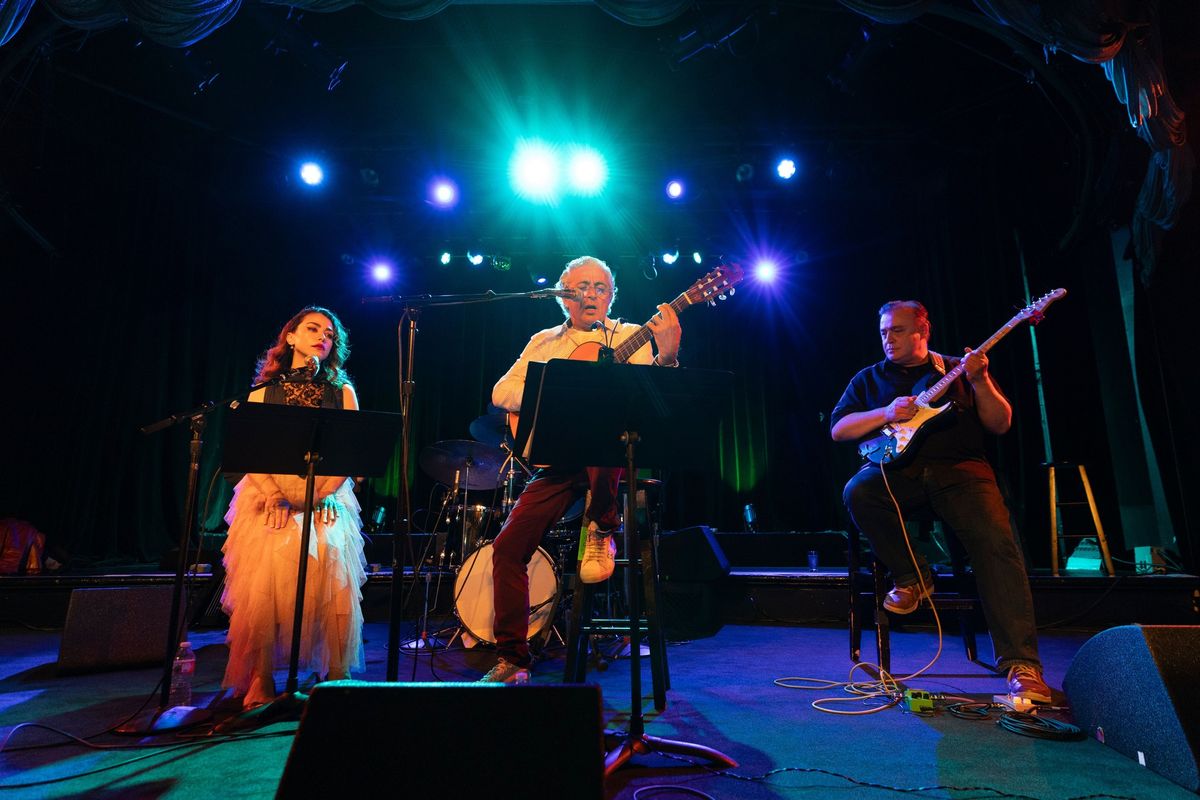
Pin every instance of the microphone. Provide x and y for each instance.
(565, 294)
(310, 368)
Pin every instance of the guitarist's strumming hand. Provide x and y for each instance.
(901, 409)
(667, 333)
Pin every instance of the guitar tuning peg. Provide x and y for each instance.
(712, 303)
(731, 291)
(720, 297)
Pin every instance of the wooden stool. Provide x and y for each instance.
(1057, 537)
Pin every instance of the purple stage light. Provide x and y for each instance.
(381, 271)
(443, 193)
(766, 270)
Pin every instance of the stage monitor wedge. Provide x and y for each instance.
(1133, 687)
(449, 740)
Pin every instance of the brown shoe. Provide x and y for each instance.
(1025, 683)
(907, 599)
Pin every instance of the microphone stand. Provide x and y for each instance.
(413, 304)
(164, 718)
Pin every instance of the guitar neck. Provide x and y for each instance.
(625, 350)
(934, 392)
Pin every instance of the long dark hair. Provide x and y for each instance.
(278, 356)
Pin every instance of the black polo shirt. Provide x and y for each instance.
(956, 435)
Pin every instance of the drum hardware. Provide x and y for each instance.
(474, 601)
(510, 481)
(478, 464)
(424, 641)
(491, 428)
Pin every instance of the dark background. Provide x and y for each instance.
(171, 241)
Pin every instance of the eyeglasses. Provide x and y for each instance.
(600, 289)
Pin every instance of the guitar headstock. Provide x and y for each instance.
(715, 285)
(1035, 311)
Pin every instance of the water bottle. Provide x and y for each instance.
(182, 670)
(749, 518)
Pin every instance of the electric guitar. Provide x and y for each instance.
(897, 440)
(717, 284)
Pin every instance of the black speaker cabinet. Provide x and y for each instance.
(114, 628)
(449, 740)
(1134, 688)
(691, 566)
(691, 554)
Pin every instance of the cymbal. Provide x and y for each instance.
(490, 428)
(477, 463)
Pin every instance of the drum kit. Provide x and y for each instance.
(465, 529)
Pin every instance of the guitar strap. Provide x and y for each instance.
(939, 363)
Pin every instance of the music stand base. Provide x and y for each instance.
(644, 744)
(428, 643)
(287, 707)
(160, 721)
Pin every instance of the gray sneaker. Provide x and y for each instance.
(506, 672)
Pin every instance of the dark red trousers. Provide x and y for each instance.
(543, 502)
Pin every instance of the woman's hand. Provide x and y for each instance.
(326, 509)
(278, 510)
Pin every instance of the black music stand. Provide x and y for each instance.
(670, 418)
(278, 439)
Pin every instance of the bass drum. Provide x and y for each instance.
(473, 601)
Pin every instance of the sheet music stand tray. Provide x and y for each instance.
(294, 440)
(635, 415)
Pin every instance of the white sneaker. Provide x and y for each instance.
(506, 672)
(598, 554)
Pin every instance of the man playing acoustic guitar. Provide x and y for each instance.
(946, 473)
(550, 492)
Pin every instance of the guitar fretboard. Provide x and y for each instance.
(934, 392)
(625, 350)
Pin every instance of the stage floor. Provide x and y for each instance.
(723, 695)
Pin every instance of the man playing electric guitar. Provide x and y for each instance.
(948, 474)
(586, 330)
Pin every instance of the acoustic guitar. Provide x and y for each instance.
(717, 284)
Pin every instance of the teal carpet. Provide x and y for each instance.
(723, 696)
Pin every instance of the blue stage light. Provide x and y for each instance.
(311, 173)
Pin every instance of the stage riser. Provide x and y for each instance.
(776, 596)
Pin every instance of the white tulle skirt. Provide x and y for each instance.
(260, 587)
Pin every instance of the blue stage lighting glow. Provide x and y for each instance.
(766, 270)
(311, 173)
(675, 189)
(786, 168)
(445, 258)
(699, 259)
(475, 258)
(540, 280)
(670, 258)
(381, 271)
(443, 193)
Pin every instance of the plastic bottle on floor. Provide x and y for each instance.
(182, 671)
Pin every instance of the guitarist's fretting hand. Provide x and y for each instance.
(901, 409)
(975, 365)
(667, 333)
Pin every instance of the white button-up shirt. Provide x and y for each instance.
(559, 342)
